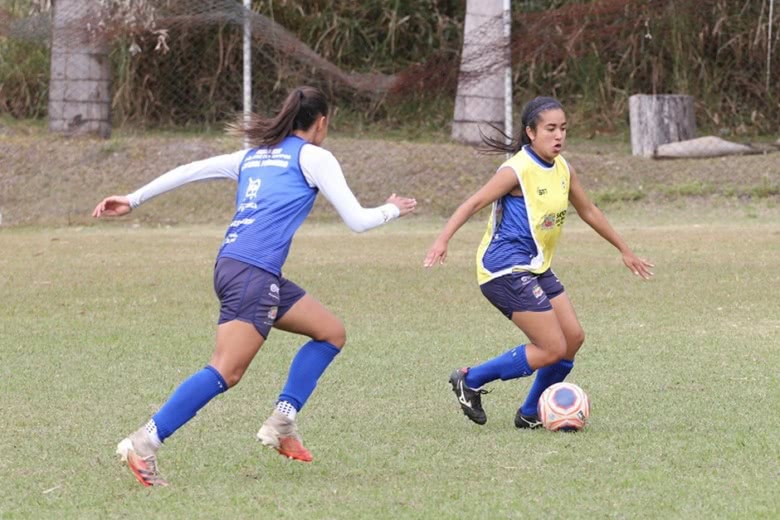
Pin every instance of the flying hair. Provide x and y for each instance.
(528, 119)
(300, 110)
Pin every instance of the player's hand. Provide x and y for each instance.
(437, 254)
(405, 205)
(638, 266)
(114, 206)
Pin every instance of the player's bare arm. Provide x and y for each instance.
(595, 218)
(499, 185)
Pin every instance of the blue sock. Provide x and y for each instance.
(545, 377)
(307, 366)
(509, 365)
(192, 395)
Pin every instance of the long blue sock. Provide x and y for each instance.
(307, 366)
(545, 377)
(192, 395)
(509, 365)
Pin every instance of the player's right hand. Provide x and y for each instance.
(437, 254)
(113, 206)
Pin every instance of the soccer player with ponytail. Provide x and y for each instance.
(278, 180)
(530, 194)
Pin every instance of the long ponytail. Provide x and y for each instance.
(299, 111)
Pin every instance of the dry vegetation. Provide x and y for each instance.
(48, 180)
(591, 54)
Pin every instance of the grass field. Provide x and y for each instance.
(99, 324)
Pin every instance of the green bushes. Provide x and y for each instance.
(593, 55)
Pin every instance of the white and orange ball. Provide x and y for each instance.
(564, 407)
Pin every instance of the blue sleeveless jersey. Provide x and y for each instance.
(272, 201)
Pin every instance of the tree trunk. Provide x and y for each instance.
(659, 119)
(480, 95)
(80, 83)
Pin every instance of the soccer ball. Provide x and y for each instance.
(564, 407)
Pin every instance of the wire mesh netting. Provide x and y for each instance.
(429, 71)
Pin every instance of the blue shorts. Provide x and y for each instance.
(248, 293)
(523, 291)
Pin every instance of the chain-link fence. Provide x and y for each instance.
(634, 76)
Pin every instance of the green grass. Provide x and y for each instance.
(99, 324)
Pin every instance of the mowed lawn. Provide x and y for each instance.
(99, 324)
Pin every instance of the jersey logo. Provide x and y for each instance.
(552, 220)
(549, 221)
(251, 191)
(541, 191)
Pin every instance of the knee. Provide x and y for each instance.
(233, 377)
(335, 334)
(553, 351)
(338, 337)
(230, 374)
(576, 340)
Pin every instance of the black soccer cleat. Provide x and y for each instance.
(470, 400)
(529, 422)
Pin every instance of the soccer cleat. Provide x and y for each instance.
(141, 458)
(281, 433)
(470, 399)
(527, 421)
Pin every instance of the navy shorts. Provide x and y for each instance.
(523, 291)
(248, 293)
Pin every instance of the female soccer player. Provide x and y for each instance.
(278, 181)
(530, 194)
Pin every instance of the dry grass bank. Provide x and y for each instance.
(48, 180)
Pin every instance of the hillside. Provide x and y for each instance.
(54, 181)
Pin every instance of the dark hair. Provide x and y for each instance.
(528, 118)
(299, 111)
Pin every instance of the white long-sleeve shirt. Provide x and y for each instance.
(320, 168)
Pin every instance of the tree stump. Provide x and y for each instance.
(659, 119)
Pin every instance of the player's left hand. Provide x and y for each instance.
(638, 266)
(405, 205)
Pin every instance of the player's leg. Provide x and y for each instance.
(308, 317)
(238, 340)
(527, 414)
(520, 298)
(236, 345)
(570, 325)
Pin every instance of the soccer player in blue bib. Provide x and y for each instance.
(278, 180)
(530, 194)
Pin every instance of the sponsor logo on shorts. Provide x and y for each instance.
(272, 313)
(538, 292)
